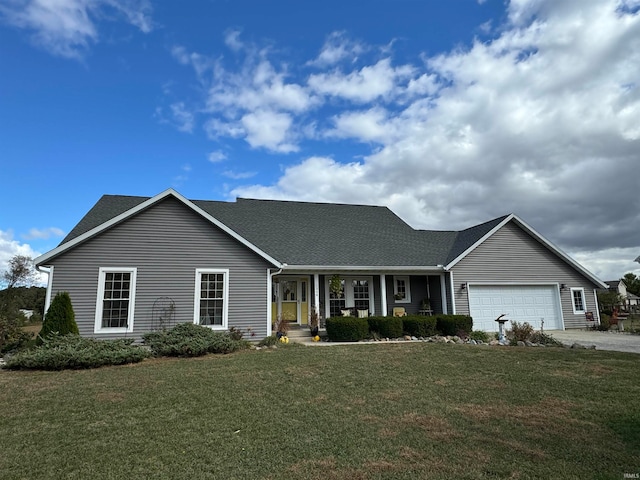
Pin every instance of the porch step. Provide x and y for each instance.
(299, 332)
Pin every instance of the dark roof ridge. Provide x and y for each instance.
(242, 199)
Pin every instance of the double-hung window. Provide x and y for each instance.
(211, 298)
(401, 289)
(577, 300)
(116, 300)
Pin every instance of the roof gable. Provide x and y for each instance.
(498, 223)
(111, 207)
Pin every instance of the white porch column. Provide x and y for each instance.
(443, 292)
(453, 294)
(316, 293)
(383, 294)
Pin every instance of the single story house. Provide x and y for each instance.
(135, 264)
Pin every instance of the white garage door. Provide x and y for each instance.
(522, 303)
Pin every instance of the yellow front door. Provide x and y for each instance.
(290, 300)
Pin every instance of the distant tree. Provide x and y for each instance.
(608, 300)
(21, 271)
(632, 282)
(60, 317)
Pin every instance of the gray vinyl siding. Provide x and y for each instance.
(418, 288)
(435, 292)
(166, 243)
(512, 256)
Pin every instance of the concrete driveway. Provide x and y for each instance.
(619, 342)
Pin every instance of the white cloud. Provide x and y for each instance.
(366, 126)
(232, 40)
(43, 233)
(364, 85)
(270, 130)
(238, 175)
(67, 28)
(216, 156)
(183, 119)
(338, 47)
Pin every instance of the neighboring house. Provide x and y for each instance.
(135, 264)
(631, 301)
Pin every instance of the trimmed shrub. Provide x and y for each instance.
(59, 352)
(454, 324)
(347, 329)
(268, 341)
(386, 327)
(60, 318)
(191, 340)
(479, 335)
(419, 325)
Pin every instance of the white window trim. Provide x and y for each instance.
(348, 292)
(225, 297)
(98, 328)
(407, 298)
(584, 301)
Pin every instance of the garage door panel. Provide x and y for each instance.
(521, 303)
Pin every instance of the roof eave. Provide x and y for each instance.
(366, 268)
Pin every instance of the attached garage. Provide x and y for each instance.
(521, 303)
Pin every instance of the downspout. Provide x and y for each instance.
(595, 297)
(453, 293)
(49, 272)
(269, 295)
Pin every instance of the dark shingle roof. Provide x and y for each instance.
(108, 207)
(302, 233)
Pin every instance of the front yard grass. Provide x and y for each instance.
(393, 411)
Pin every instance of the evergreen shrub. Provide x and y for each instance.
(386, 327)
(419, 325)
(60, 318)
(191, 340)
(59, 352)
(454, 324)
(347, 329)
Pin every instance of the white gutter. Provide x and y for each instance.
(270, 276)
(49, 272)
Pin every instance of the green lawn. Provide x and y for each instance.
(357, 412)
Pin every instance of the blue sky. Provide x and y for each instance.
(450, 113)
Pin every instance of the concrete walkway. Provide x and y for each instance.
(618, 342)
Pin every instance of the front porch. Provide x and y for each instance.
(295, 296)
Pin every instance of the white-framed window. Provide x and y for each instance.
(116, 298)
(578, 301)
(355, 292)
(401, 289)
(211, 298)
